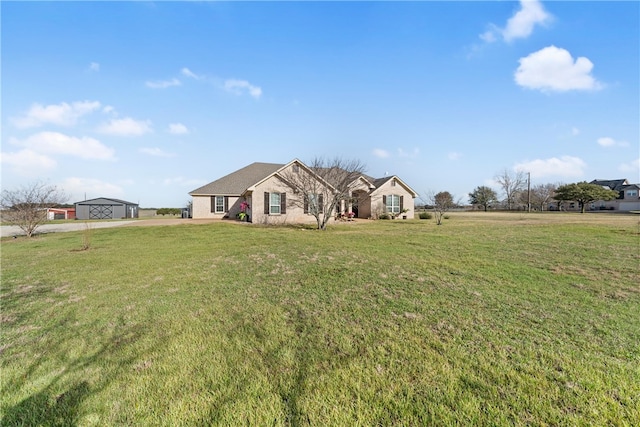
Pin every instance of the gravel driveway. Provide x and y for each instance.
(12, 230)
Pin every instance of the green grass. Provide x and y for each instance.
(489, 319)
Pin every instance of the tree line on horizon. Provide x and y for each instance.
(26, 206)
(518, 192)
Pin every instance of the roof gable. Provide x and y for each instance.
(104, 201)
(366, 180)
(237, 182)
(379, 182)
(614, 184)
(283, 175)
(247, 178)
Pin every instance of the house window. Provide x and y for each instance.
(393, 203)
(632, 193)
(393, 182)
(274, 203)
(219, 204)
(296, 168)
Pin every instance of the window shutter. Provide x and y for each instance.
(384, 200)
(213, 204)
(283, 203)
(306, 203)
(266, 203)
(226, 203)
(320, 203)
(401, 203)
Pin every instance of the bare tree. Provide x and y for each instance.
(27, 206)
(542, 194)
(511, 183)
(324, 186)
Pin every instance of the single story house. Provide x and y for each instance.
(264, 193)
(106, 208)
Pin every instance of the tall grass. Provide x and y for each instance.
(488, 319)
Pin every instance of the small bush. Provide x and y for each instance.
(169, 211)
(425, 215)
(384, 216)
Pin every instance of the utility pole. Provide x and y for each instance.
(528, 191)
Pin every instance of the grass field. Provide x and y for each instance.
(489, 319)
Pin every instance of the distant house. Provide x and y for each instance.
(61, 213)
(628, 195)
(106, 208)
(268, 198)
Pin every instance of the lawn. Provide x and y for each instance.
(489, 319)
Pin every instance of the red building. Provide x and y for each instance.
(61, 213)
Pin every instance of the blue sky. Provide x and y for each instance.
(146, 101)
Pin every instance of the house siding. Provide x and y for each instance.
(201, 207)
(378, 206)
(294, 210)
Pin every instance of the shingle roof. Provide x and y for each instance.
(380, 181)
(237, 182)
(614, 184)
(103, 200)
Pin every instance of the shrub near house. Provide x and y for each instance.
(169, 211)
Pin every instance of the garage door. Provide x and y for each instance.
(629, 206)
(100, 212)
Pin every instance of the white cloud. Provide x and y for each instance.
(631, 167)
(565, 166)
(77, 188)
(553, 69)
(163, 84)
(610, 142)
(28, 162)
(94, 66)
(156, 152)
(575, 131)
(606, 141)
(413, 153)
(58, 143)
(489, 36)
(63, 114)
(521, 24)
(380, 153)
(454, 155)
(108, 109)
(240, 87)
(178, 129)
(187, 72)
(126, 127)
